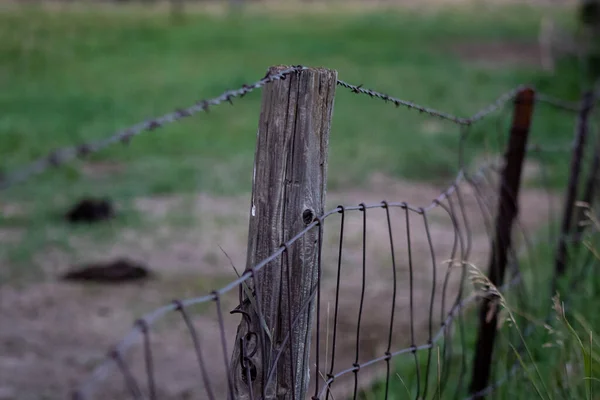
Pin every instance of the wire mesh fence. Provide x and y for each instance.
(411, 273)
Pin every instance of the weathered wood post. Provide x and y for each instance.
(510, 183)
(288, 192)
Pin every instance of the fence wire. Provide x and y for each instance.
(64, 155)
(431, 288)
(452, 202)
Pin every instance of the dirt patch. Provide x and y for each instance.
(490, 54)
(11, 235)
(91, 210)
(58, 332)
(112, 272)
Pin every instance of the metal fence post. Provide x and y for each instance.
(507, 211)
(571, 195)
(589, 192)
(288, 193)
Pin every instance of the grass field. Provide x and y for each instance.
(69, 76)
(83, 75)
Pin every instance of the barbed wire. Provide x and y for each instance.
(64, 155)
(503, 99)
(558, 103)
(465, 121)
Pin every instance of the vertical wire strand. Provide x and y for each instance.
(223, 343)
(149, 362)
(337, 298)
(196, 342)
(318, 283)
(356, 366)
(433, 287)
(387, 353)
(465, 255)
(412, 308)
(447, 342)
(280, 348)
(289, 315)
(130, 381)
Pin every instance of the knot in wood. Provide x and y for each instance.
(308, 216)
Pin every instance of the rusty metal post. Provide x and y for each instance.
(590, 187)
(571, 195)
(507, 211)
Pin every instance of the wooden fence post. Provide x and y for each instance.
(288, 193)
(510, 183)
(571, 195)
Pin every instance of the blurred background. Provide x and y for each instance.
(73, 71)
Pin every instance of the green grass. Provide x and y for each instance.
(71, 77)
(74, 76)
(548, 352)
(68, 77)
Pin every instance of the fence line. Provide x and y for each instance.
(146, 321)
(62, 156)
(414, 348)
(481, 183)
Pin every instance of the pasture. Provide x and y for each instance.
(71, 74)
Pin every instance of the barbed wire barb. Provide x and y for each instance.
(61, 156)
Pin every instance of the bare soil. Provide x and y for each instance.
(283, 8)
(52, 333)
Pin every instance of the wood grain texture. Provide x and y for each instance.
(288, 191)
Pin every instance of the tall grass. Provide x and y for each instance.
(575, 370)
